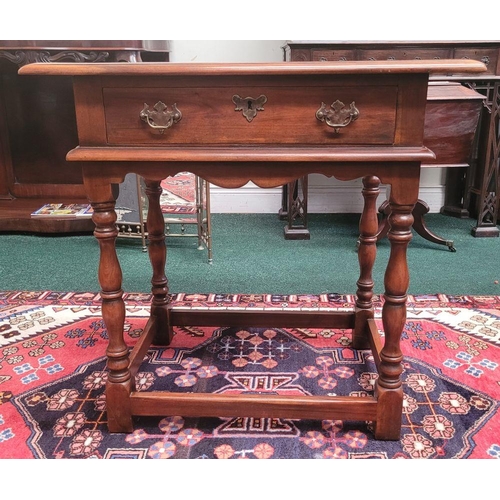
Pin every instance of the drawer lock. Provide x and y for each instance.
(249, 105)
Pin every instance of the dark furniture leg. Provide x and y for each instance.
(294, 208)
(158, 257)
(296, 229)
(489, 191)
(367, 252)
(421, 208)
(454, 189)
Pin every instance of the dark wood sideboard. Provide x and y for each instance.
(292, 137)
(473, 191)
(38, 127)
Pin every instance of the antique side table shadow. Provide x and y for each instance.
(270, 124)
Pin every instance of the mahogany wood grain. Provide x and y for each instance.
(141, 347)
(268, 69)
(451, 119)
(158, 257)
(253, 405)
(91, 118)
(234, 174)
(389, 388)
(288, 117)
(263, 318)
(367, 252)
(230, 158)
(120, 382)
(241, 154)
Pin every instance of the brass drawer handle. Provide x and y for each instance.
(160, 117)
(338, 116)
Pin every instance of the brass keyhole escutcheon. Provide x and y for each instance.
(249, 106)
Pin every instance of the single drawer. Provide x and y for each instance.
(288, 116)
(333, 55)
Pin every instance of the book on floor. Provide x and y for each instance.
(56, 210)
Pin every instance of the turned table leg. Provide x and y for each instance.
(120, 382)
(389, 388)
(367, 252)
(158, 257)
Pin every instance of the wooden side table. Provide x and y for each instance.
(270, 124)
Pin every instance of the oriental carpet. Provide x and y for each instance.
(53, 372)
(179, 194)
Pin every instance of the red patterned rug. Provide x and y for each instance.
(52, 376)
(179, 194)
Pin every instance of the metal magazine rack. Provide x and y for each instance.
(185, 216)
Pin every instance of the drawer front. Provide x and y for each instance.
(333, 55)
(288, 117)
(298, 55)
(401, 54)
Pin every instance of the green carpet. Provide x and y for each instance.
(252, 256)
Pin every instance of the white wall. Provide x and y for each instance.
(325, 195)
(226, 50)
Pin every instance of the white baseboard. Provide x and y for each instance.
(345, 198)
(249, 199)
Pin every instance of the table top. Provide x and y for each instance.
(278, 68)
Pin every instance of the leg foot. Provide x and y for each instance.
(118, 407)
(389, 411)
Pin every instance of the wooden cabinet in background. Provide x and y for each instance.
(473, 191)
(38, 127)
